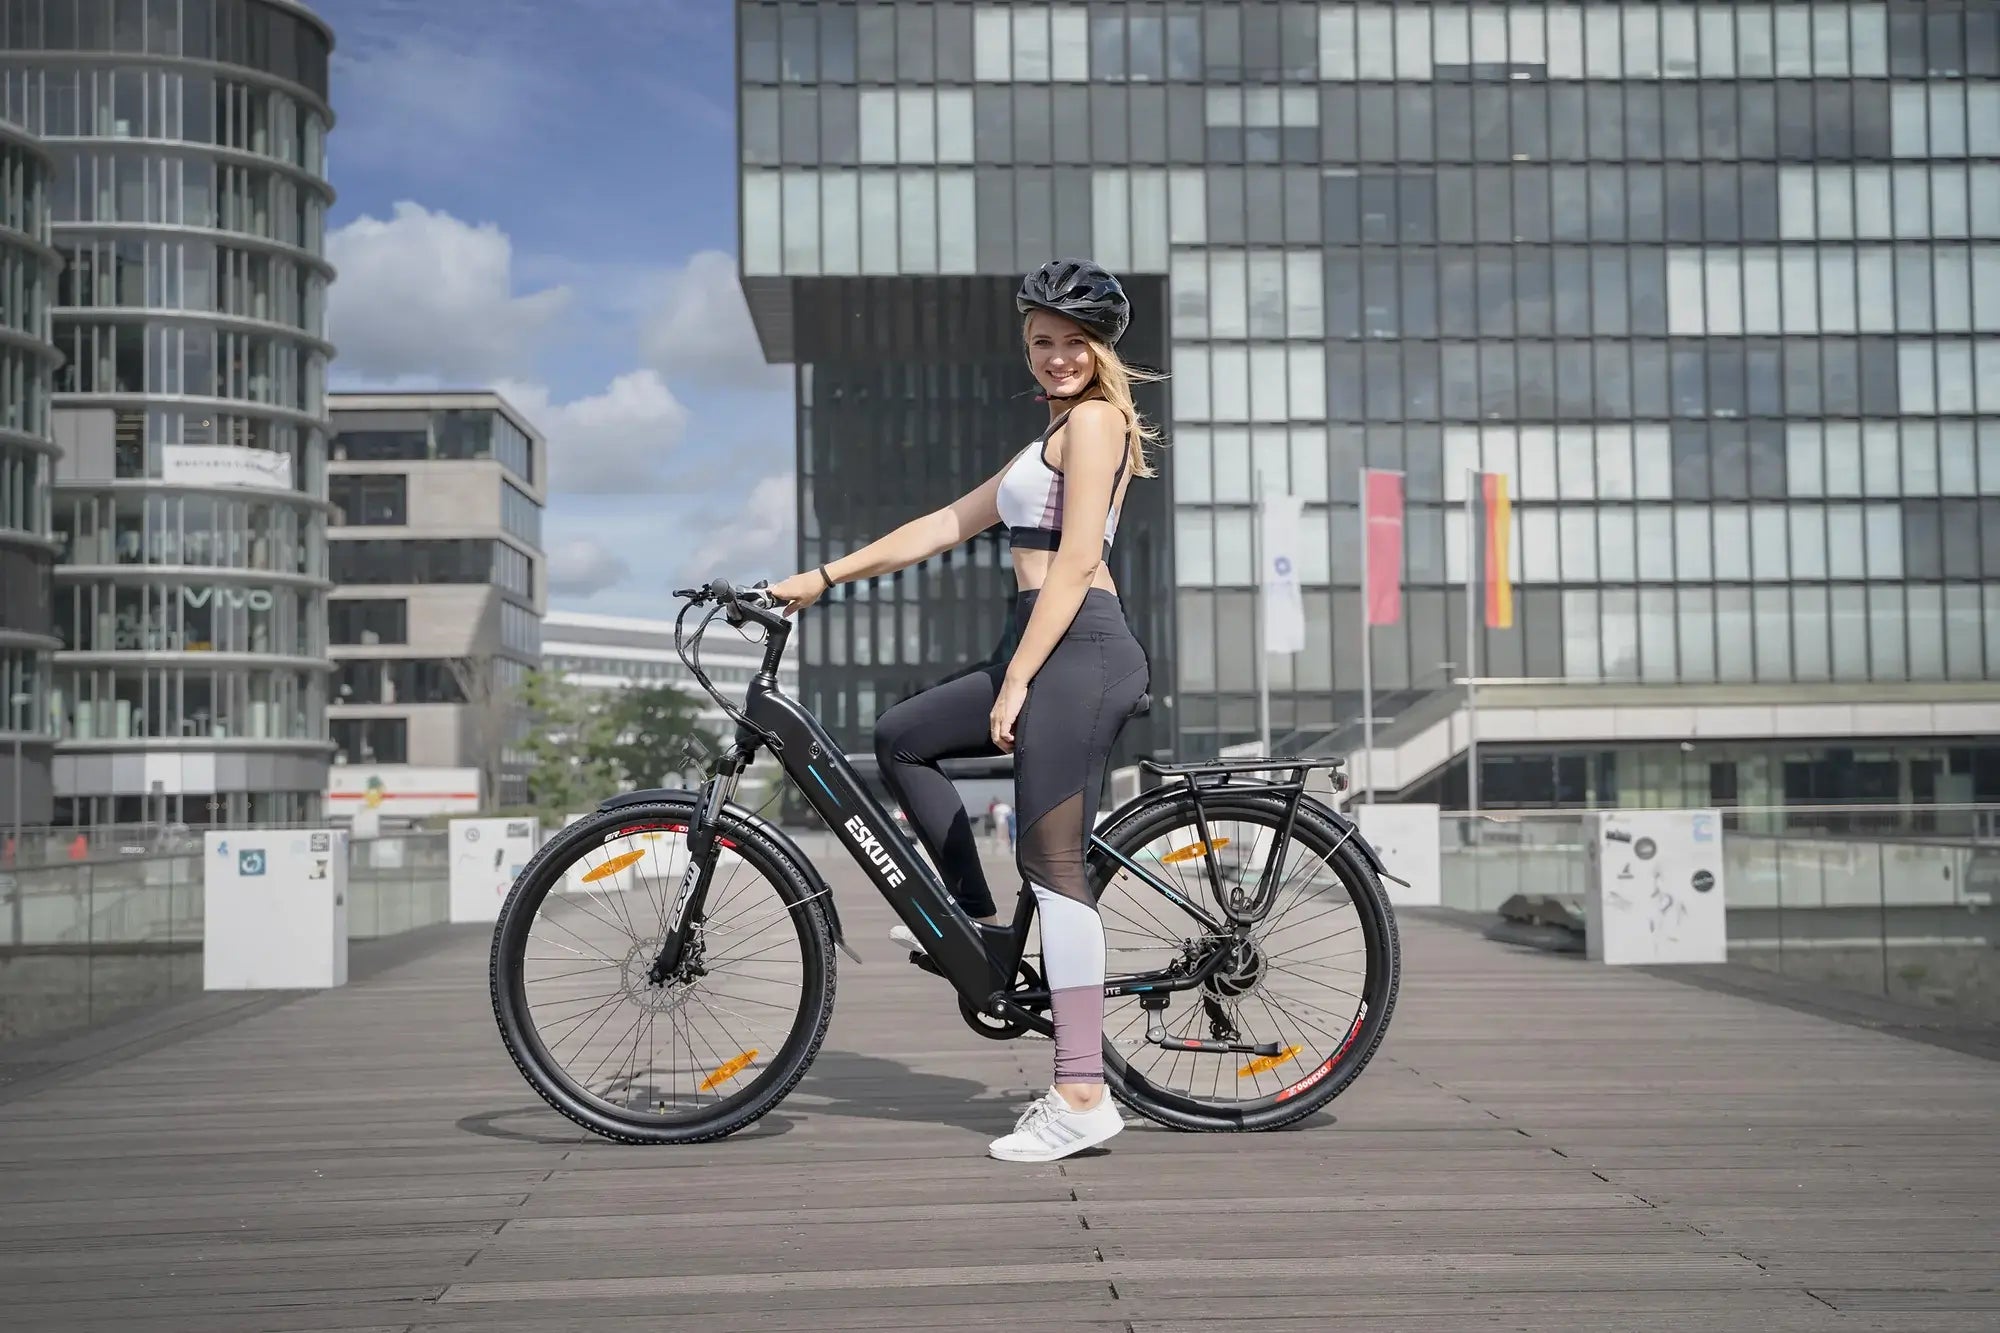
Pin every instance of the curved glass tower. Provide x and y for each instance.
(189, 210)
(27, 553)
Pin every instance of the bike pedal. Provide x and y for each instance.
(926, 962)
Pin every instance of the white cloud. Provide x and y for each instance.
(618, 442)
(582, 567)
(701, 327)
(755, 541)
(424, 298)
(720, 530)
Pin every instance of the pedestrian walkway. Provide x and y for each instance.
(1541, 1144)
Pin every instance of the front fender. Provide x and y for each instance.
(816, 884)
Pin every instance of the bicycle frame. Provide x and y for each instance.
(913, 890)
(957, 947)
(963, 952)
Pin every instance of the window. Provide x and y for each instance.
(370, 499)
(370, 621)
(371, 740)
(520, 515)
(117, 703)
(520, 630)
(397, 680)
(427, 561)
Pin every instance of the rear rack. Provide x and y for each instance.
(1225, 769)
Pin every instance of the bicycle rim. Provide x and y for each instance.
(685, 1059)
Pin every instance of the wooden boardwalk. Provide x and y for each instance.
(1540, 1145)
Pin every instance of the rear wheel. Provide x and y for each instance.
(1316, 975)
(695, 1058)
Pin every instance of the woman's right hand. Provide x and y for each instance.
(800, 590)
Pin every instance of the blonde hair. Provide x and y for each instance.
(1114, 385)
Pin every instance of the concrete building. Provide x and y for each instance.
(1717, 287)
(27, 463)
(439, 581)
(189, 209)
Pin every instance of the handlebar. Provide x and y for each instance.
(738, 604)
(735, 606)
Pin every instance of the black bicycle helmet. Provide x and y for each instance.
(1080, 290)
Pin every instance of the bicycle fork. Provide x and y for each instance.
(684, 915)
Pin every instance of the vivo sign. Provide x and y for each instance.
(254, 599)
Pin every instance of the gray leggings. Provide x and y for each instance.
(1077, 705)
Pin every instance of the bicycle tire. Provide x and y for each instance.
(520, 1034)
(1339, 1070)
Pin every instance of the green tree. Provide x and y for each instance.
(659, 737)
(572, 738)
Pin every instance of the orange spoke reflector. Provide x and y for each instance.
(1190, 853)
(728, 1071)
(614, 865)
(1269, 1062)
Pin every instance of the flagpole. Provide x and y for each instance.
(1367, 655)
(1471, 644)
(1259, 647)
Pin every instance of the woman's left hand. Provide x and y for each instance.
(1006, 710)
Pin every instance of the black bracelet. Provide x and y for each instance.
(828, 577)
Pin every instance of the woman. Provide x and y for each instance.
(1059, 700)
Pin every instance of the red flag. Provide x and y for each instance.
(1382, 521)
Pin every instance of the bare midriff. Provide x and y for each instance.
(1031, 570)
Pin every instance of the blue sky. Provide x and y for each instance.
(540, 197)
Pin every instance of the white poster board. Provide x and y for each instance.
(225, 465)
(1407, 838)
(487, 855)
(275, 909)
(1653, 891)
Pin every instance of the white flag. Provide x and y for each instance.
(1284, 604)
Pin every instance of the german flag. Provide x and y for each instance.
(1497, 524)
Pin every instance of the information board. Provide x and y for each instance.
(1407, 838)
(275, 909)
(1653, 892)
(487, 856)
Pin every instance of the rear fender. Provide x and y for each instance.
(1350, 832)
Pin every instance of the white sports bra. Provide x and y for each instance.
(1031, 498)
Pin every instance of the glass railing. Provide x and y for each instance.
(1893, 901)
(85, 941)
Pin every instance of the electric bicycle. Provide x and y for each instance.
(663, 970)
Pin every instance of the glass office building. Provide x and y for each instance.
(189, 210)
(27, 461)
(1716, 285)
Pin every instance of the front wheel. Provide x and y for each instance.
(1316, 976)
(700, 1056)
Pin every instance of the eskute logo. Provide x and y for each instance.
(873, 850)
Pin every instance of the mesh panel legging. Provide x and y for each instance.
(1077, 704)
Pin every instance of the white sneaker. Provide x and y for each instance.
(903, 935)
(1049, 1130)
